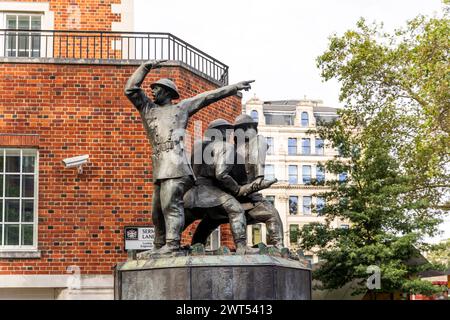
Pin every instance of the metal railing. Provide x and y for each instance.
(108, 45)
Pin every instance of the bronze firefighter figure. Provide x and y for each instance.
(165, 123)
(213, 198)
(248, 170)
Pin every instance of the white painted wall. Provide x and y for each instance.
(60, 287)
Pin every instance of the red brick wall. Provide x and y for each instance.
(81, 109)
(95, 14)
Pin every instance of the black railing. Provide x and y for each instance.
(108, 45)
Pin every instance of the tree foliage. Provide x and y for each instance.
(440, 254)
(393, 137)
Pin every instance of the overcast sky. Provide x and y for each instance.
(274, 42)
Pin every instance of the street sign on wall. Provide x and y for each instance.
(139, 238)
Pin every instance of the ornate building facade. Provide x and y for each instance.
(295, 157)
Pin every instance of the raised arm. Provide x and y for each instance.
(133, 89)
(202, 100)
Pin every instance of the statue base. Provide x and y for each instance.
(213, 277)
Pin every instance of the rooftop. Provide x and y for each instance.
(291, 105)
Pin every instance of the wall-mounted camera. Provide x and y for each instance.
(78, 162)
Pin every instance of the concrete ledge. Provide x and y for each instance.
(20, 254)
(57, 281)
(250, 260)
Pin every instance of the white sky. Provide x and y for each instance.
(274, 42)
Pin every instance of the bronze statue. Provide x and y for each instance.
(254, 149)
(248, 170)
(213, 198)
(164, 123)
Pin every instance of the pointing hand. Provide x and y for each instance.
(244, 85)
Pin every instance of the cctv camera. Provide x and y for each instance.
(76, 162)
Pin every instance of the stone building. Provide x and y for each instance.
(63, 67)
(295, 158)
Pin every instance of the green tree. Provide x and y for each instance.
(393, 137)
(440, 254)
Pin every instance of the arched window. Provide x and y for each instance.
(254, 115)
(305, 119)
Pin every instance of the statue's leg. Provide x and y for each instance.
(158, 218)
(172, 191)
(266, 213)
(236, 215)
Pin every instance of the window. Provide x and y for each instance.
(269, 172)
(319, 146)
(320, 205)
(270, 199)
(293, 174)
(293, 205)
(292, 146)
(320, 174)
(23, 44)
(305, 119)
(256, 234)
(18, 198)
(306, 174)
(293, 233)
(254, 115)
(342, 176)
(307, 205)
(279, 119)
(306, 146)
(270, 146)
(213, 241)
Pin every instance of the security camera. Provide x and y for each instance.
(76, 162)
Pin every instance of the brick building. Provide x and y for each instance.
(62, 75)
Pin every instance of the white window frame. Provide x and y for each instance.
(211, 246)
(269, 165)
(310, 205)
(257, 226)
(28, 8)
(315, 147)
(309, 146)
(6, 248)
(270, 146)
(29, 49)
(323, 171)
(303, 173)
(289, 205)
(296, 146)
(317, 205)
(291, 174)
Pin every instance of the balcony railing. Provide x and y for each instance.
(109, 45)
